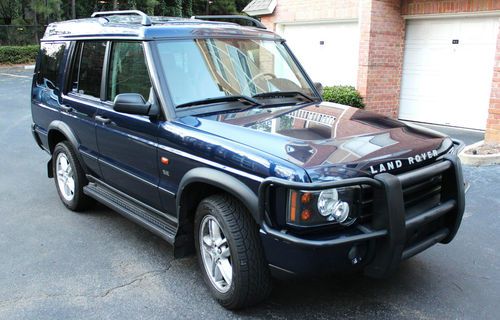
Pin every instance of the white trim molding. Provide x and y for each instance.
(453, 15)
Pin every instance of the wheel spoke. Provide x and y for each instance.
(226, 270)
(207, 241)
(66, 189)
(71, 185)
(218, 272)
(221, 242)
(63, 163)
(210, 229)
(214, 268)
(216, 231)
(60, 173)
(225, 253)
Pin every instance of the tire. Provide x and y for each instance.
(250, 280)
(73, 198)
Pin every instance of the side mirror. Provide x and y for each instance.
(319, 87)
(132, 103)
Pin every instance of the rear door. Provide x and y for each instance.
(128, 143)
(82, 98)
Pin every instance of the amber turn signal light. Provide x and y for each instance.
(306, 198)
(164, 160)
(305, 215)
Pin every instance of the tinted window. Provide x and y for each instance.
(87, 68)
(50, 58)
(127, 70)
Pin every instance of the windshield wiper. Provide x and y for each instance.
(285, 94)
(246, 99)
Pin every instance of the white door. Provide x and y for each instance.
(327, 51)
(448, 69)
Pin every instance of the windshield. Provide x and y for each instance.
(200, 69)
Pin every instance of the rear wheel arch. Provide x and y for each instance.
(59, 131)
(196, 185)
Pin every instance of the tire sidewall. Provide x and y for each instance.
(206, 208)
(62, 147)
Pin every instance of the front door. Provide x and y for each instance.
(128, 143)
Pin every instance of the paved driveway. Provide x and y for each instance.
(56, 264)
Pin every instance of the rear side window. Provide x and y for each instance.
(87, 68)
(127, 70)
(49, 63)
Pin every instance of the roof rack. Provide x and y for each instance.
(256, 23)
(146, 20)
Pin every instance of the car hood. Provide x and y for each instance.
(328, 140)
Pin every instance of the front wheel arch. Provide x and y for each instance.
(197, 184)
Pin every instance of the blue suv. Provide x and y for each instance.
(212, 136)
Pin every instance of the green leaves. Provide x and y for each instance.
(346, 95)
(18, 54)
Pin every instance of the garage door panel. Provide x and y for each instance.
(448, 83)
(417, 58)
(327, 51)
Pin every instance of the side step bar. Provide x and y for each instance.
(153, 220)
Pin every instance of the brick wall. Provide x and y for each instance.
(381, 55)
(311, 10)
(493, 122)
(416, 7)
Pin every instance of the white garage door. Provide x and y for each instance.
(327, 51)
(447, 70)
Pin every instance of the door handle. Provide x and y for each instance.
(65, 108)
(102, 119)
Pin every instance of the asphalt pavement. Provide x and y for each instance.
(56, 264)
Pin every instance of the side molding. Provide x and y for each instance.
(222, 181)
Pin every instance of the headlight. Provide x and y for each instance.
(315, 208)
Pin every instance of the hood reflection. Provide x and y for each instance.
(330, 134)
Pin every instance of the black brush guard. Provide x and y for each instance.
(389, 226)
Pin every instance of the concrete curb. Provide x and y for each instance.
(478, 159)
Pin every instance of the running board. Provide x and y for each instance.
(149, 218)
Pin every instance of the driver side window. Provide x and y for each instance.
(128, 72)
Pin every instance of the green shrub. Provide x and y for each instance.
(347, 95)
(18, 54)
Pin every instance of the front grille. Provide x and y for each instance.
(417, 198)
(422, 196)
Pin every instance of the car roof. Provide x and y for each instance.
(130, 27)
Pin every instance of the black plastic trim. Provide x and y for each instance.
(431, 214)
(93, 191)
(223, 181)
(425, 244)
(255, 22)
(36, 137)
(367, 234)
(63, 128)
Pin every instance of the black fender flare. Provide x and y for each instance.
(65, 130)
(222, 181)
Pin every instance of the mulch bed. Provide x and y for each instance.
(485, 149)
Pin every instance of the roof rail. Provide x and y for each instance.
(146, 20)
(256, 23)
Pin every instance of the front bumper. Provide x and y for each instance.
(377, 247)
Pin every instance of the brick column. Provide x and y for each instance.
(381, 54)
(493, 124)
